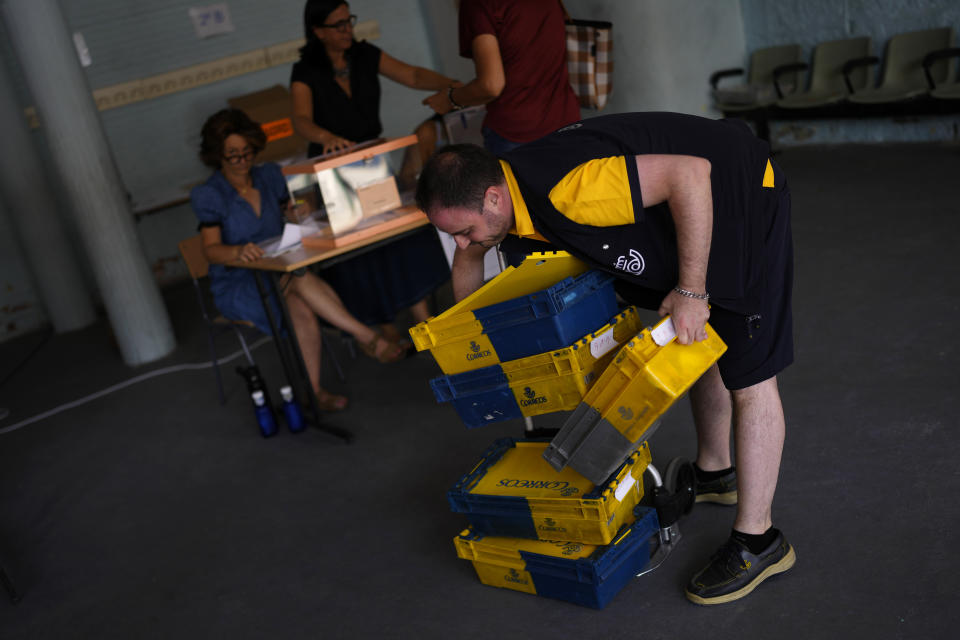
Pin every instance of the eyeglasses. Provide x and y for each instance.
(240, 157)
(341, 25)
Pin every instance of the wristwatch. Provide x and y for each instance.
(453, 103)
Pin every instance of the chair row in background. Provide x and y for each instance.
(918, 77)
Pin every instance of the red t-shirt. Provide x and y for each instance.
(537, 98)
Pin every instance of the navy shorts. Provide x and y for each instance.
(761, 345)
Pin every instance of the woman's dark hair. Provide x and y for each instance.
(315, 14)
(457, 176)
(221, 126)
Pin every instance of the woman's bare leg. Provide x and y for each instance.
(323, 301)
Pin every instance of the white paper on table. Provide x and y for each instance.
(291, 237)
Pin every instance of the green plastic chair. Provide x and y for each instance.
(828, 85)
(949, 90)
(903, 72)
(759, 89)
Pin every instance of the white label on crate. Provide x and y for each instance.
(602, 343)
(625, 486)
(664, 333)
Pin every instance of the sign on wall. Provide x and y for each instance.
(211, 20)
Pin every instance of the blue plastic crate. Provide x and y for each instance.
(584, 574)
(549, 319)
(521, 326)
(480, 397)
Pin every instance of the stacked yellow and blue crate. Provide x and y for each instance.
(560, 519)
(532, 341)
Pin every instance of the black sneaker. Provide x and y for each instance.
(734, 572)
(722, 490)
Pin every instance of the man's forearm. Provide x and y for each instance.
(691, 205)
(467, 271)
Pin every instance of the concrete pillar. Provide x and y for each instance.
(25, 189)
(78, 145)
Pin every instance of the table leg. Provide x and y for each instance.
(290, 356)
(9, 586)
(274, 327)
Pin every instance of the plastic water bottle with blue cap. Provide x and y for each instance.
(291, 411)
(268, 424)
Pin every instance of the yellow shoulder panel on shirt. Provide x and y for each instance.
(596, 193)
(522, 224)
(768, 176)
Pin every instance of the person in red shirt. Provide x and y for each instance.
(519, 51)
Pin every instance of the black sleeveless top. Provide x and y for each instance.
(356, 117)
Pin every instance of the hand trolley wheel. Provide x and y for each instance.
(681, 481)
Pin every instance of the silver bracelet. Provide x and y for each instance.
(690, 294)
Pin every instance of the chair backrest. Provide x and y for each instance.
(191, 250)
(828, 61)
(905, 52)
(764, 61)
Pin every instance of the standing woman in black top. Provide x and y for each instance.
(336, 102)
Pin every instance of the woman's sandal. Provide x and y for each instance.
(330, 401)
(391, 352)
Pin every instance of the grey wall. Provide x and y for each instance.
(154, 141)
(808, 22)
(440, 18)
(665, 51)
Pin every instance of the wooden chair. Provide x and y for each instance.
(191, 250)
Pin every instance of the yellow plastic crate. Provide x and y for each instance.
(535, 385)
(513, 492)
(645, 378)
(585, 574)
(460, 337)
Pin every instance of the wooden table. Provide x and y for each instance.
(303, 257)
(295, 262)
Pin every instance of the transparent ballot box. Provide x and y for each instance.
(345, 193)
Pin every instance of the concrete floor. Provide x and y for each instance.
(155, 513)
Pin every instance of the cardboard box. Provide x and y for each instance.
(271, 109)
(379, 197)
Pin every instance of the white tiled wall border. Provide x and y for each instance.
(197, 75)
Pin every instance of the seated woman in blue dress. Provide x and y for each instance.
(241, 205)
(335, 90)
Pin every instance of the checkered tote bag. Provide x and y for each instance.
(590, 61)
